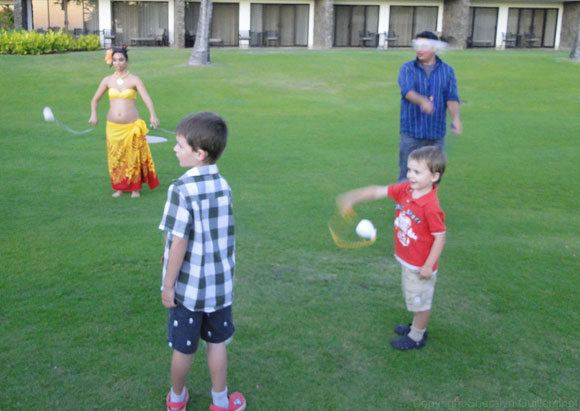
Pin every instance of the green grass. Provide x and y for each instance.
(81, 321)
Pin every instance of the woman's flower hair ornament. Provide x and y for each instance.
(109, 57)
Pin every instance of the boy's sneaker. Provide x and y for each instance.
(405, 330)
(177, 406)
(237, 403)
(402, 329)
(407, 343)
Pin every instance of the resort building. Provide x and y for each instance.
(309, 23)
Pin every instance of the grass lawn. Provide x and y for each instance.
(81, 321)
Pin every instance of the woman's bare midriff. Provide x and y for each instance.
(122, 111)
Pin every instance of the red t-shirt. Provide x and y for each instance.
(417, 221)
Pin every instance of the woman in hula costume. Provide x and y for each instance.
(129, 157)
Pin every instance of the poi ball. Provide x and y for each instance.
(48, 116)
(366, 229)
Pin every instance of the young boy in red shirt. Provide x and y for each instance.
(419, 235)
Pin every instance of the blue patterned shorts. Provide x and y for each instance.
(185, 328)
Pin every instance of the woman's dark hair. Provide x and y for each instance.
(123, 50)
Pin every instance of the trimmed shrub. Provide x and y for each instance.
(31, 42)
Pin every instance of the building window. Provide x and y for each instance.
(224, 23)
(533, 27)
(79, 16)
(482, 26)
(279, 25)
(356, 26)
(406, 22)
(139, 23)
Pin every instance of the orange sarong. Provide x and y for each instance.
(129, 156)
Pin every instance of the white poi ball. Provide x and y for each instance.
(366, 229)
(48, 116)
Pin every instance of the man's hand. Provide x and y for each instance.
(426, 105)
(456, 126)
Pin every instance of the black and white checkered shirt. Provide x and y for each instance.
(199, 208)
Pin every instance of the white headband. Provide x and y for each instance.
(430, 45)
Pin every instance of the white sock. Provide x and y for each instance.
(220, 399)
(177, 398)
(416, 334)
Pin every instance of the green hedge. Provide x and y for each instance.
(31, 42)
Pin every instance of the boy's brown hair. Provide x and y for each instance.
(434, 158)
(206, 131)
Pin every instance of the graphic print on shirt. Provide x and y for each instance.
(405, 232)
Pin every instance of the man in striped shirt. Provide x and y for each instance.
(428, 90)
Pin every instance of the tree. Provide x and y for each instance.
(575, 53)
(6, 18)
(64, 7)
(200, 52)
(179, 24)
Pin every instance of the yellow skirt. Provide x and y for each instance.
(130, 160)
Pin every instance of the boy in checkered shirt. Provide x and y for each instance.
(419, 236)
(199, 259)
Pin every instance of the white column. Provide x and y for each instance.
(29, 21)
(245, 23)
(310, 24)
(384, 14)
(558, 28)
(502, 26)
(105, 18)
(171, 21)
(440, 19)
(245, 10)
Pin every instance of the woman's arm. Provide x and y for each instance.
(95, 101)
(148, 102)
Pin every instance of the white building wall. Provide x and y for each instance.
(105, 15)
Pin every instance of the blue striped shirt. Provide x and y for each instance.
(441, 85)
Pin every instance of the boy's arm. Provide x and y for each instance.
(174, 262)
(347, 200)
(426, 272)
